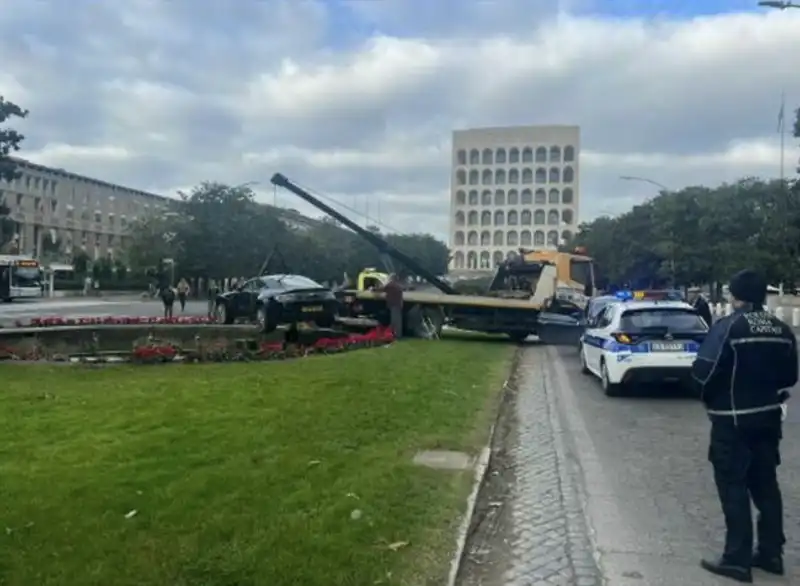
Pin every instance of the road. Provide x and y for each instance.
(24, 310)
(607, 491)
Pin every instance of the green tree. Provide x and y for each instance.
(10, 141)
(80, 263)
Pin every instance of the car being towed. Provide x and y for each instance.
(274, 300)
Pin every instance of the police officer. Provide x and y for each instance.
(703, 308)
(744, 368)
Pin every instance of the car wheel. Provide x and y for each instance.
(223, 315)
(584, 366)
(610, 389)
(265, 322)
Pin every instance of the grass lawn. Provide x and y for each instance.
(284, 473)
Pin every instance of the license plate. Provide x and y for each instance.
(312, 309)
(666, 347)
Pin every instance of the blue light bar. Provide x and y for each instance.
(623, 295)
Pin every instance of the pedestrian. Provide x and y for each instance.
(183, 293)
(168, 300)
(393, 291)
(212, 292)
(702, 307)
(744, 369)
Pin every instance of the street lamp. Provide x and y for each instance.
(779, 5)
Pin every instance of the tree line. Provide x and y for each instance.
(701, 235)
(218, 231)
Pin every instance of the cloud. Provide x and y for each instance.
(359, 99)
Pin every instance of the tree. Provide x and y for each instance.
(80, 263)
(220, 231)
(10, 141)
(699, 235)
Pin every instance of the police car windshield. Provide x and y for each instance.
(672, 319)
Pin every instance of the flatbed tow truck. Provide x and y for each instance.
(536, 311)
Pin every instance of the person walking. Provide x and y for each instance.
(212, 291)
(744, 369)
(393, 290)
(702, 307)
(183, 293)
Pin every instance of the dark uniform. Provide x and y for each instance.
(703, 309)
(744, 369)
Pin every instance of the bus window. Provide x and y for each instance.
(26, 277)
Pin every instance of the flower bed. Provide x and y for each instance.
(155, 352)
(112, 320)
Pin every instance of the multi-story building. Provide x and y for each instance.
(512, 188)
(70, 212)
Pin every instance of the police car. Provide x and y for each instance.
(641, 341)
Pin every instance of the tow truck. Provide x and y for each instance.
(536, 312)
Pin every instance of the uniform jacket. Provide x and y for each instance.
(703, 309)
(745, 367)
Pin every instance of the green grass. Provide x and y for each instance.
(241, 474)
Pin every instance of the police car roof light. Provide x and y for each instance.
(623, 295)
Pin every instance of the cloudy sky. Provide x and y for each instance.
(357, 99)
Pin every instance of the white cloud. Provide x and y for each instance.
(359, 101)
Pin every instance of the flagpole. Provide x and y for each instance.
(782, 130)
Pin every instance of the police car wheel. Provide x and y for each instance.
(584, 366)
(610, 389)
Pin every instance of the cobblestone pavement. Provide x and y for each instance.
(650, 496)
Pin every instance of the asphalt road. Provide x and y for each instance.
(650, 495)
(22, 310)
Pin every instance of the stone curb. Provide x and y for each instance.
(481, 468)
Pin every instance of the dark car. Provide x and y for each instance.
(273, 300)
(596, 305)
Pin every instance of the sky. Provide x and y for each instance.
(358, 99)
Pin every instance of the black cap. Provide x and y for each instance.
(749, 286)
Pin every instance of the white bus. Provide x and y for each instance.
(20, 277)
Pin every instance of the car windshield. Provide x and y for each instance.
(597, 306)
(674, 319)
(298, 282)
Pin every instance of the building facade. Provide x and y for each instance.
(512, 188)
(54, 210)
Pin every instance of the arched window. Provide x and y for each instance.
(499, 218)
(555, 175)
(513, 155)
(500, 177)
(538, 238)
(552, 238)
(472, 260)
(460, 219)
(485, 260)
(552, 218)
(497, 257)
(538, 217)
(569, 154)
(541, 155)
(461, 177)
(474, 177)
(486, 157)
(566, 196)
(472, 218)
(458, 260)
(513, 176)
(499, 197)
(500, 156)
(525, 238)
(497, 239)
(566, 235)
(461, 157)
(473, 197)
(566, 216)
(513, 197)
(459, 239)
(512, 239)
(486, 197)
(525, 218)
(527, 155)
(513, 218)
(527, 176)
(541, 176)
(486, 178)
(555, 154)
(474, 157)
(461, 197)
(486, 218)
(486, 238)
(552, 197)
(527, 197)
(472, 238)
(541, 197)
(569, 175)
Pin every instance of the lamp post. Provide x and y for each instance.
(665, 189)
(779, 5)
